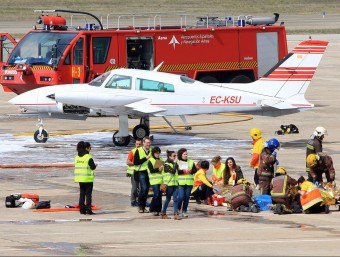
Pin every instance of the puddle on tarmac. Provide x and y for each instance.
(64, 248)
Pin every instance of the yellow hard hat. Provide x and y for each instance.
(242, 181)
(312, 160)
(255, 133)
(281, 170)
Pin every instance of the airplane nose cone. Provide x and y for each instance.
(26, 99)
(16, 100)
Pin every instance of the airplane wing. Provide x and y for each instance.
(277, 104)
(145, 108)
(134, 109)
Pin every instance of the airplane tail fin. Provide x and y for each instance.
(291, 77)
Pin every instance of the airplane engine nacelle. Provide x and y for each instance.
(75, 109)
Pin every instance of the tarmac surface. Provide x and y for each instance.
(118, 229)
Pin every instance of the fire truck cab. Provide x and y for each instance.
(233, 49)
(7, 43)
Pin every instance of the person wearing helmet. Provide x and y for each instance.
(314, 144)
(318, 164)
(258, 141)
(281, 191)
(241, 197)
(267, 161)
(310, 197)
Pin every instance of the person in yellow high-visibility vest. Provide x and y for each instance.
(311, 198)
(130, 172)
(84, 167)
(218, 169)
(141, 160)
(155, 168)
(186, 172)
(258, 141)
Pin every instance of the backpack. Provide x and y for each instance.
(12, 201)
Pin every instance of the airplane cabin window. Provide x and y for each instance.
(151, 85)
(119, 82)
(98, 81)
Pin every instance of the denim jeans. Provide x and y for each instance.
(156, 202)
(183, 197)
(171, 191)
(144, 185)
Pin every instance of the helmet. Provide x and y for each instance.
(242, 181)
(281, 171)
(312, 160)
(273, 144)
(255, 133)
(320, 131)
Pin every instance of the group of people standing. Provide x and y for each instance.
(179, 177)
(173, 176)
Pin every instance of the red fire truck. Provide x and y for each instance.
(234, 49)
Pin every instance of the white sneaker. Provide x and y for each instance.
(257, 187)
(184, 215)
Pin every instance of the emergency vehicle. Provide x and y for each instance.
(234, 49)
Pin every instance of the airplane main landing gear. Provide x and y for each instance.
(120, 141)
(41, 135)
(140, 131)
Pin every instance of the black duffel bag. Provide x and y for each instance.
(43, 205)
(12, 201)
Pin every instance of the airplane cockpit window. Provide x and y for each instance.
(119, 82)
(98, 81)
(151, 85)
(186, 79)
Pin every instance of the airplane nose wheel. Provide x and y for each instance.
(41, 137)
(140, 131)
(120, 141)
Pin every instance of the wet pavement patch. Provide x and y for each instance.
(64, 248)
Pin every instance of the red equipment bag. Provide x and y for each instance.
(33, 197)
(217, 201)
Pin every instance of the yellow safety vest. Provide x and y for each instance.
(82, 170)
(186, 179)
(130, 169)
(142, 154)
(155, 178)
(168, 178)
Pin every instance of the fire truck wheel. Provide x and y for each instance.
(120, 141)
(140, 131)
(208, 79)
(41, 138)
(240, 79)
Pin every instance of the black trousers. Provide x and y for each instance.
(85, 192)
(203, 192)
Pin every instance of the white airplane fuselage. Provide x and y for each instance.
(187, 98)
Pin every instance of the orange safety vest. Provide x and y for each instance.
(312, 197)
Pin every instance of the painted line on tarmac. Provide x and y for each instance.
(195, 243)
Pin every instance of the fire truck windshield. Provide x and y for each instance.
(40, 48)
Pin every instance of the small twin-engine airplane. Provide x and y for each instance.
(140, 93)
